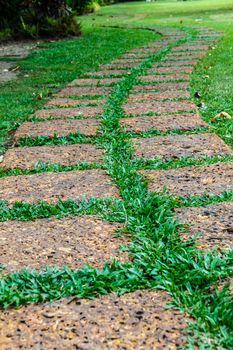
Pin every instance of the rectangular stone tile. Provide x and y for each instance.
(165, 95)
(49, 187)
(195, 180)
(26, 157)
(169, 63)
(185, 55)
(107, 72)
(58, 127)
(94, 82)
(170, 70)
(176, 59)
(138, 320)
(118, 65)
(70, 241)
(213, 224)
(177, 146)
(63, 113)
(79, 91)
(161, 86)
(190, 47)
(69, 102)
(133, 56)
(164, 77)
(158, 107)
(163, 122)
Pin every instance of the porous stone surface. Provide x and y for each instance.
(63, 113)
(118, 65)
(57, 127)
(171, 70)
(163, 122)
(164, 77)
(69, 102)
(161, 86)
(158, 107)
(69, 241)
(106, 72)
(85, 90)
(190, 181)
(213, 224)
(139, 320)
(26, 157)
(93, 82)
(177, 146)
(51, 186)
(164, 95)
(170, 63)
(191, 47)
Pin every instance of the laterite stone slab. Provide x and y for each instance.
(185, 55)
(63, 113)
(170, 63)
(164, 77)
(163, 122)
(158, 107)
(69, 102)
(133, 321)
(153, 96)
(118, 65)
(176, 59)
(177, 146)
(70, 241)
(26, 157)
(51, 186)
(214, 223)
(195, 180)
(93, 82)
(161, 86)
(79, 91)
(107, 72)
(171, 70)
(58, 127)
(191, 48)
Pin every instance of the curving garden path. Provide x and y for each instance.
(93, 167)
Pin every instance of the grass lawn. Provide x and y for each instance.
(161, 258)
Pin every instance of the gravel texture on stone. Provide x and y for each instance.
(169, 63)
(186, 54)
(213, 224)
(118, 65)
(164, 77)
(163, 122)
(131, 58)
(107, 72)
(93, 82)
(195, 180)
(161, 86)
(134, 321)
(69, 102)
(190, 47)
(79, 91)
(63, 113)
(51, 186)
(26, 157)
(69, 241)
(158, 107)
(171, 70)
(177, 146)
(175, 59)
(164, 95)
(58, 127)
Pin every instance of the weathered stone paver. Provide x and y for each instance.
(170, 70)
(69, 102)
(189, 181)
(79, 91)
(57, 127)
(157, 96)
(63, 113)
(176, 146)
(70, 241)
(26, 157)
(213, 224)
(93, 82)
(163, 122)
(161, 86)
(164, 77)
(51, 186)
(158, 107)
(106, 72)
(169, 63)
(136, 321)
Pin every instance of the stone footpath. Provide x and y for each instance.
(159, 101)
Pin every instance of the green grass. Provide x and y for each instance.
(161, 259)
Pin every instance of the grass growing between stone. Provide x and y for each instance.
(161, 259)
